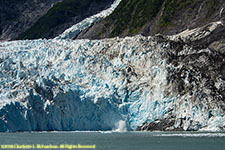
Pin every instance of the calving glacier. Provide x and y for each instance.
(82, 84)
(144, 83)
(69, 85)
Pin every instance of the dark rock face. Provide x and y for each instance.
(17, 16)
(197, 74)
(62, 16)
(31, 19)
(168, 17)
(160, 125)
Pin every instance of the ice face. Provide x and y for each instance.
(89, 85)
(61, 84)
(80, 85)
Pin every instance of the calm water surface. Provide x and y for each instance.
(122, 141)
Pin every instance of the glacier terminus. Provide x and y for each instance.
(139, 82)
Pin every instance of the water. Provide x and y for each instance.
(122, 141)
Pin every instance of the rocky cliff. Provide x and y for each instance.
(198, 56)
(62, 16)
(30, 19)
(16, 16)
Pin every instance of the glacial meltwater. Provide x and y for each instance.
(115, 140)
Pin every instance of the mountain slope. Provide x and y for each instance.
(62, 16)
(149, 17)
(16, 16)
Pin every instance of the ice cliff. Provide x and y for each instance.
(82, 84)
(144, 82)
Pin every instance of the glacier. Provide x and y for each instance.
(67, 85)
(73, 31)
(80, 85)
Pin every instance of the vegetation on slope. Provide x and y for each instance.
(132, 15)
(174, 6)
(149, 17)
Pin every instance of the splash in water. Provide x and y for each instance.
(121, 126)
